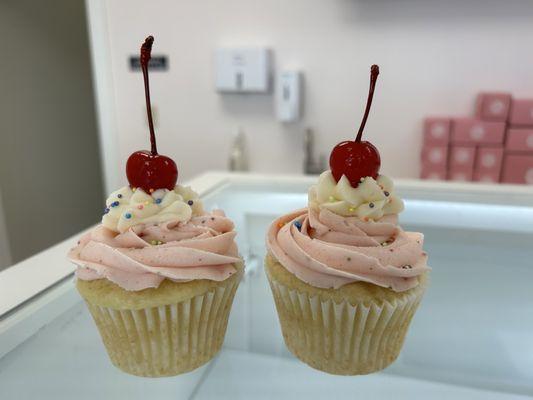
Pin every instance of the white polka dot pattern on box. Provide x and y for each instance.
(496, 107)
(477, 132)
(438, 130)
(529, 141)
(488, 160)
(461, 156)
(436, 156)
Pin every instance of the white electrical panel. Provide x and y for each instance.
(289, 96)
(242, 70)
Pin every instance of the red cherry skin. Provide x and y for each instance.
(151, 171)
(356, 160)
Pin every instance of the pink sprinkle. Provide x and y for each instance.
(140, 206)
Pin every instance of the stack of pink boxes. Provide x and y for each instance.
(494, 146)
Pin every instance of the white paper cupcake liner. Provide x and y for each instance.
(341, 338)
(169, 339)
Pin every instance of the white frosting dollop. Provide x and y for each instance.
(371, 199)
(127, 207)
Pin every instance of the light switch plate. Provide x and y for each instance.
(242, 70)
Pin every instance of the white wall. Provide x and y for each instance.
(434, 56)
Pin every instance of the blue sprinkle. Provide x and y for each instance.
(114, 204)
(119, 196)
(190, 202)
(298, 225)
(157, 201)
(127, 215)
(106, 210)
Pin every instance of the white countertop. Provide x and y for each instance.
(236, 375)
(473, 232)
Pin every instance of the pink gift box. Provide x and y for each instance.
(519, 139)
(462, 157)
(518, 169)
(435, 156)
(433, 173)
(437, 131)
(489, 159)
(493, 106)
(487, 176)
(475, 131)
(460, 173)
(522, 112)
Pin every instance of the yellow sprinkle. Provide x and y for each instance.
(331, 198)
(351, 209)
(133, 189)
(153, 242)
(146, 203)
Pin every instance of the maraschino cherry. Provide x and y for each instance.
(145, 169)
(357, 159)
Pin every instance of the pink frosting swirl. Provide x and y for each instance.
(202, 248)
(327, 250)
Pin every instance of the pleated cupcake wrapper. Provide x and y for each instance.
(169, 339)
(340, 338)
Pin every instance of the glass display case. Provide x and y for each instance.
(471, 338)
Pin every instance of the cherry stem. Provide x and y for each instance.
(374, 72)
(146, 50)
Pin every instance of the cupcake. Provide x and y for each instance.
(345, 277)
(159, 273)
